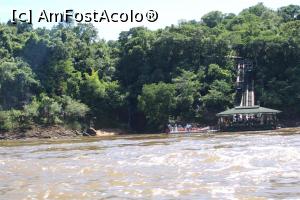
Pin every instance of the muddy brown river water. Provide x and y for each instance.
(264, 165)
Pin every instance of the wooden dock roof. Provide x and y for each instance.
(248, 110)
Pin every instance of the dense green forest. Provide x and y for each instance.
(185, 72)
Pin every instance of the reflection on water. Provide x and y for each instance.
(210, 166)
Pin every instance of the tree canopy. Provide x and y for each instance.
(183, 72)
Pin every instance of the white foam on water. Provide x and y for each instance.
(156, 192)
(46, 195)
(222, 191)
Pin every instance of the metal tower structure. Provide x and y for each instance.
(245, 84)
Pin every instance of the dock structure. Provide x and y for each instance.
(246, 115)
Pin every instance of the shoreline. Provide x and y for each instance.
(57, 132)
(60, 132)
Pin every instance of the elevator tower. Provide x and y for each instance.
(245, 84)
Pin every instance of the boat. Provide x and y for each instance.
(186, 130)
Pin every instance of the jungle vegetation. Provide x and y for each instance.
(183, 72)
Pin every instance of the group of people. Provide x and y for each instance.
(179, 128)
(249, 120)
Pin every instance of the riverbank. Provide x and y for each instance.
(58, 132)
(54, 132)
